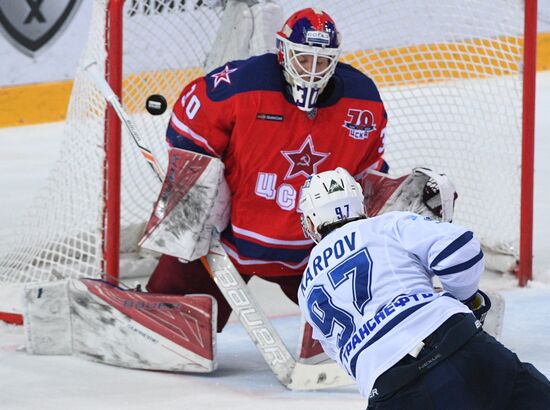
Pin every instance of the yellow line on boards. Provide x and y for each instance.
(34, 103)
(47, 102)
(543, 51)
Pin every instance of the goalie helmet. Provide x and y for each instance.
(329, 197)
(308, 47)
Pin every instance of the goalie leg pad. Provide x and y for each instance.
(141, 330)
(176, 278)
(47, 320)
(101, 322)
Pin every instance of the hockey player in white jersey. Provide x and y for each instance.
(367, 292)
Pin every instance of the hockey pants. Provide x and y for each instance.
(482, 375)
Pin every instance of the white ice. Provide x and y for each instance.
(243, 380)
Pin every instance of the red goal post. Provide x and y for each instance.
(524, 270)
(458, 81)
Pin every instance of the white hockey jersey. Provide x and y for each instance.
(367, 290)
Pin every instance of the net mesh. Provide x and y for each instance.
(449, 74)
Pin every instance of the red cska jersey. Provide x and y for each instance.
(241, 113)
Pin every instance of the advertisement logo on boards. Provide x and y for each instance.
(30, 25)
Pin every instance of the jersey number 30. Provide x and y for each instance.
(330, 318)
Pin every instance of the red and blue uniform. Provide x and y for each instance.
(241, 114)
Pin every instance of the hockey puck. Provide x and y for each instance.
(156, 104)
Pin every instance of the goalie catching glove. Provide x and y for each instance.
(479, 304)
(434, 199)
(423, 191)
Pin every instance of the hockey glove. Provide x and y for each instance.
(431, 197)
(479, 304)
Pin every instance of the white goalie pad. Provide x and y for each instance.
(193, 205)
(46, 318)
(141, 330)
(384, 193)
(98, 321)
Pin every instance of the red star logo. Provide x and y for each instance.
(223, 76)
(304, 160)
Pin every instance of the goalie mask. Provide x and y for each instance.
(308, 47)
(329, 197)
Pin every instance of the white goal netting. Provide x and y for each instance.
(449, 74)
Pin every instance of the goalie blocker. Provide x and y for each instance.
(193, 205)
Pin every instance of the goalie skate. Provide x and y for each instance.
(310, 350)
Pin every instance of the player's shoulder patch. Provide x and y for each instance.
(356, 84)
(258, 73)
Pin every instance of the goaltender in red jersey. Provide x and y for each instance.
(274, 120)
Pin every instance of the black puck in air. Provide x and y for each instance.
(156, 104)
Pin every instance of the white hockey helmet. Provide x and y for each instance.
(308, 47)
(329, 197)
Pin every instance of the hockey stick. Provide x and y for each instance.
(293, 375)
(93, 70)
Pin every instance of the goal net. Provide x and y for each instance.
(450, 75)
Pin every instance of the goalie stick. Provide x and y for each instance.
(292, 374)
(110, 96)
